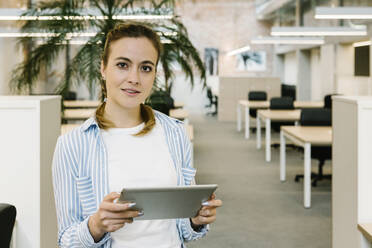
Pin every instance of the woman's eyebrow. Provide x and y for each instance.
(123, 58)
(130, 61)
(148, 62)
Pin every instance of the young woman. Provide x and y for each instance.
(126, 144)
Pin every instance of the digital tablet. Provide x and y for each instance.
(168, 202)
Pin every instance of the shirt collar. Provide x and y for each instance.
(88, 123)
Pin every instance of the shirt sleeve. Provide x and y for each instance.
(189, 172)
(73, 229)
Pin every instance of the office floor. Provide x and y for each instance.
(259, 210)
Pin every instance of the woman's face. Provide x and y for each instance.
(130, 71)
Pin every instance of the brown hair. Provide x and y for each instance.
(129, 30)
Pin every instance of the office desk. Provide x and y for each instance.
(366, 231)
(78, 114)
(181, 114)
(81, 104)
(178, 104)
(268, 116)
(248, 105)
(264, 105)
(305, 136)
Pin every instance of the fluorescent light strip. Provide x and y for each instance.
(288, 41)
(239, 50)
(58, 18)
(68, 35)
(362, 43)
(343, 13)
(318, 31)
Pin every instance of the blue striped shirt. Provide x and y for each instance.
(80, 180)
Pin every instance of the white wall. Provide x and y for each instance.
(347, 83)
(316, 84)
(8, 59)
(290, 68)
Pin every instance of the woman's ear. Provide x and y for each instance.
(103, 72)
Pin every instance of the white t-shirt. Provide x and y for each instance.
(141, 162)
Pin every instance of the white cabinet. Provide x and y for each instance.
(29, 128)
(351, 169)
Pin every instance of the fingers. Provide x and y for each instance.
(111, 197)
(119, 215)
(202, 220)
(213, 203)
(116, 207)
(207, 212)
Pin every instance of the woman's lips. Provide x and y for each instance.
(131, 92)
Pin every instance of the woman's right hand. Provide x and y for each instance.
(110, 216)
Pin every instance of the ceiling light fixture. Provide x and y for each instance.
(288, 40)
(362, 43)
(319, 31)
(343, 13)
(239, 50)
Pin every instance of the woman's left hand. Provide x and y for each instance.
(207, 214)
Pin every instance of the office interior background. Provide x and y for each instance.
(287, 91)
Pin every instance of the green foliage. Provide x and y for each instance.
(84, 66)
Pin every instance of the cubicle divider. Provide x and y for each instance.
(29, 130)
(351, 169)
(233, 89)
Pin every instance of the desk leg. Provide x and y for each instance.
(247, 131)
(268, 140)
(307, 176)
(282, 157)
(239, 118)
(258, 136)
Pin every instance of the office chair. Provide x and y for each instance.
(256, 96)
(288, 91)
(213, 101)
(7, 219)
(317, 117)
(281, 103)
(328, 100)
(70, 95)
(161, 106)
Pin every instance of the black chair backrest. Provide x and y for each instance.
(281, 103)
(209, 93)
(70, 95)
(328, 100)
(7, 219)
(316, 117)
(288, 91)
(162, 107)
(257, 96)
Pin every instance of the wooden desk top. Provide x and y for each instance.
(81, 104)
(255, 104)
(180, 114)
(78, 114)
(280, 115)
(307, 134)
(308, 104)
(65, 128)
(179, 104)
(266, 104)
(366, 230)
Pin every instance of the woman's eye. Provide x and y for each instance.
(146, 68)
(122, 65)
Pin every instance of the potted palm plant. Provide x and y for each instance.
(63, 22)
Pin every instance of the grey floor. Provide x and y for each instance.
(258, 210)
